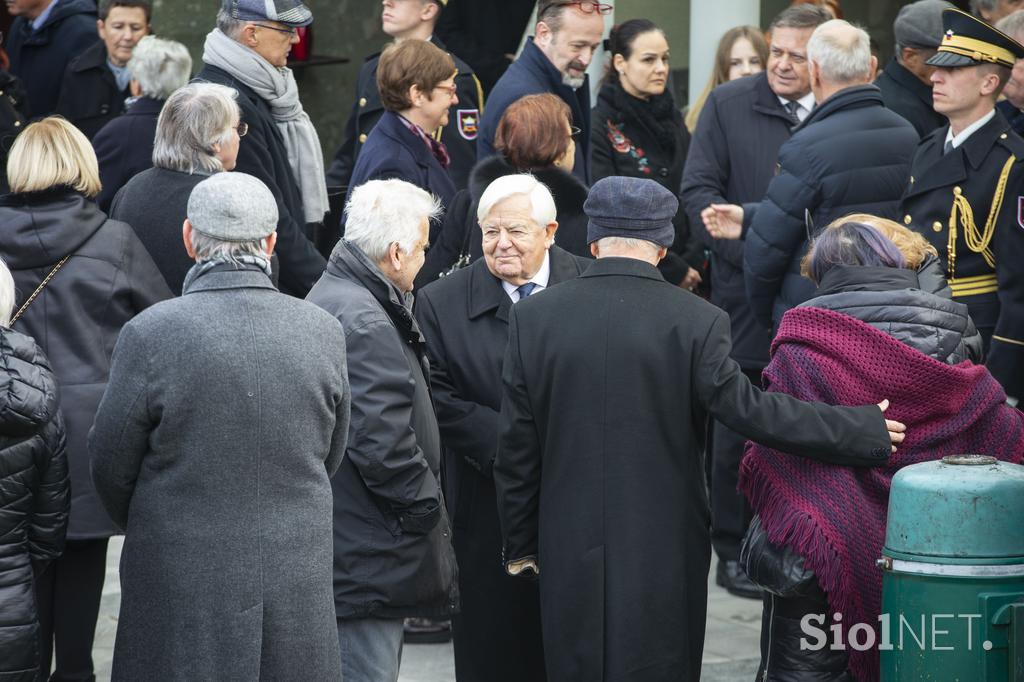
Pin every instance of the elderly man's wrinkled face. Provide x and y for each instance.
(412, 262)
(30, 8)
(1014, 89)
(788, 72)
(122, 30)
(572, 47)
(514, 244)
(270, 40)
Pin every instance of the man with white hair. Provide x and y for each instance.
(464, 317)
(1012, 106)
(994, 10)
(850, 155)
(393, 557)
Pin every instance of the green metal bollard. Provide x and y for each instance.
(953, 581)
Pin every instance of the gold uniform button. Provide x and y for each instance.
(907, 219)
(937, 226)
(362, 101)
(957, 191)
(362, 138)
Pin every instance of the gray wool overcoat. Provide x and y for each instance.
(226, 414)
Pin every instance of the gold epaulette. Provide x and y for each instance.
(977, 241)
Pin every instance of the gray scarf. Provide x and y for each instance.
(277, 87)
(236, 262)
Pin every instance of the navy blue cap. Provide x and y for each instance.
(288, 12)
(635, 208)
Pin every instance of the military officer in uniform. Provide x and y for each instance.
(966, 190)
(404, 19)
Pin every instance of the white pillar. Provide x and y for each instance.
(709, 19)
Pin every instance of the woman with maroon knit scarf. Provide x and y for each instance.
(874, 329)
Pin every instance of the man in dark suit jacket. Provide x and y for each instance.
(554, 60)
(43, 39)
(905, 84)
(464, 318)
(415, 20)
(599, 471)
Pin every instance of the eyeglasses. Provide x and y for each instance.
(289, 31)
(585, 7)
(574, 131)
(242, 128)
(449, 90)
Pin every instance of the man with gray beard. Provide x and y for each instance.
(554, 60)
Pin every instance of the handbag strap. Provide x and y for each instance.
(46, 280)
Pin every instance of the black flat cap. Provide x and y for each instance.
(968, 41)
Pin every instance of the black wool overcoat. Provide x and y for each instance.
(464, 318)
(599, 471)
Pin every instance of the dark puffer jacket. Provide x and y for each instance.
(108, 279)
(893, 301)
(851, 155)
(34, 495)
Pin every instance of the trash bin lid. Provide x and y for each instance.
(960, 507)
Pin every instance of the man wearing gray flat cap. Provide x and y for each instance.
(248, 51)
(226, 414)
(905, 83)
(615, 521)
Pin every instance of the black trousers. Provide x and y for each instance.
(68, 595)
(730, 511)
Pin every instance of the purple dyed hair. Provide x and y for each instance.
(851, 243)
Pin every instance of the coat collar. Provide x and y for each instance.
(94, 57)
(866, 278)
(908, 81)
(485, 291)
(854, 97)
(933, 169)
(390, 126)
(220, 279)
(145, 106)
(765, 100)
(616, 265)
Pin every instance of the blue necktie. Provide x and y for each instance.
(525, 290)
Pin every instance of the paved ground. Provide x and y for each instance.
(730, 645)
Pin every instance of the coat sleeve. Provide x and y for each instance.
(517, 466)
(1006, 354)
(776, 231)
(301, 263)
(342, 412)
(467, 428)
(382, 445)
(847, 436)
(119, 438)
(52, 500)
(147, 284)
(705, 179)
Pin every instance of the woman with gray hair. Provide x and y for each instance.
(197, 135)
(124, 147)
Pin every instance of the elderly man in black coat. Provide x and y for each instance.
(464, 318)
(213, 448)
(598, 471)
(850, 155)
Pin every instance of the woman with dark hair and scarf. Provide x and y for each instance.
(639, 132)
(874, 328)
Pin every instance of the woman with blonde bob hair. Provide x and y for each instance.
(881, 323)
(79, 278)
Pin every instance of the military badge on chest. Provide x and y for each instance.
(469, 123)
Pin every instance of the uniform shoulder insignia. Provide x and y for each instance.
(1013, 142)
(469, 123)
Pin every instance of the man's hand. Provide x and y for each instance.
(723, 221)
(896, 429)
(691, 280)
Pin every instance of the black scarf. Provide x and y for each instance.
(657, 115)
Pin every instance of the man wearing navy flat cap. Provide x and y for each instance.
(615, 521)
(966, 189)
